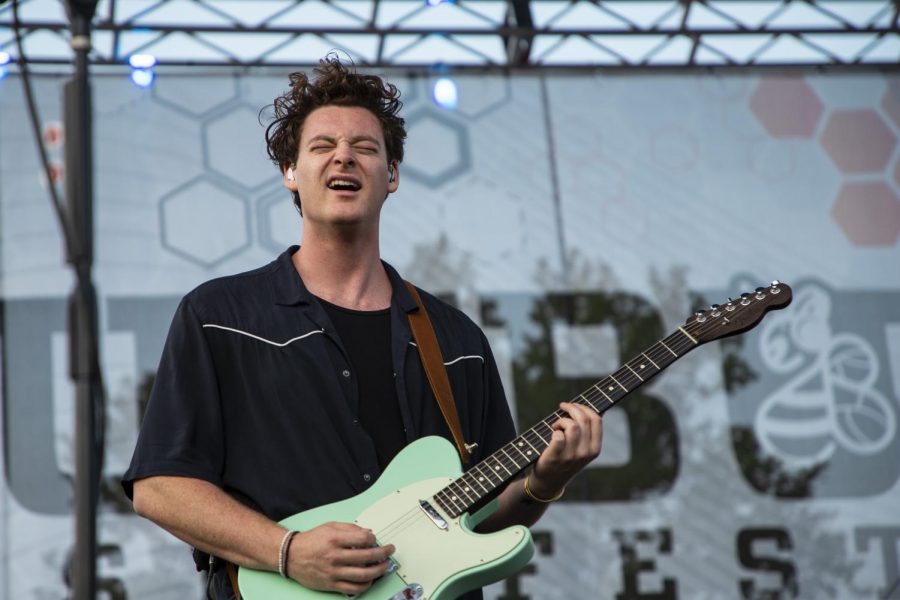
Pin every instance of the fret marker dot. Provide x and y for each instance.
(642, 366)
(454, 498)
(481, 479)
(468, 489)
(528, 452)
(610, 388)
(497, 467)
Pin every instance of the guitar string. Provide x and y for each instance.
(626, 378)
(680, 342)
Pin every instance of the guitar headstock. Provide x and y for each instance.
(738, 315)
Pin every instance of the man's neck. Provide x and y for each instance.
(345, 272)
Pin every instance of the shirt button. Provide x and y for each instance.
(345, 373)
(367, 477)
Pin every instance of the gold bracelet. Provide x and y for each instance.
(531, 495)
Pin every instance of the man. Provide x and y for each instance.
(293, 385)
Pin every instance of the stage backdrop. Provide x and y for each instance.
(578, 218)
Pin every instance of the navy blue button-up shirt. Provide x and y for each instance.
(255, 393)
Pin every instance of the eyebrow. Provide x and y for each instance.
(354, 140)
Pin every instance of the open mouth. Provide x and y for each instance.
(343, 184)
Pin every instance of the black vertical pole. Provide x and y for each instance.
(84, 364)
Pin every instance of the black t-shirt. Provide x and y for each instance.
(367, 339)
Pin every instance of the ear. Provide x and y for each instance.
(289, 178)
(393, 176)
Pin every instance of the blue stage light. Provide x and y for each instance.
(4, 58)
(142, 77)
(445, 93)
(142, 61)
(3, 72)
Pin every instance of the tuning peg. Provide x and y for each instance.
(745, 299)
(700, 316)
(775, 282)
(714, 308)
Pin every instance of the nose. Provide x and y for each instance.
(343, 155)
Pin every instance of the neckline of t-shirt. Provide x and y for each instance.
(353, 311)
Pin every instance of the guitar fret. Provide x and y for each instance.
(482, 477)
(534, 440)
(667, 348)
(547, 442)
(619, 384)
(588, 402)
(499, 462)
(468, 489)
(454, 498)
(441, 500)
(635, 372)
(651, 360)
(524, 439)
(460, 490)
(493, 472)
(690, 337)
(519, 450)
(597, 387)
(475, 479)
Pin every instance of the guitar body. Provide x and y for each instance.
(432, 563)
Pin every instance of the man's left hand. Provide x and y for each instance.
(576, 441)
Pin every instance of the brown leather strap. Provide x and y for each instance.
(232, 577)
(423, 332)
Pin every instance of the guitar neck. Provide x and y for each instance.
(507, 462)
(737, 316)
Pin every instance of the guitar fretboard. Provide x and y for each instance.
(507, 462)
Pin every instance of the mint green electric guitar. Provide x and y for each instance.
(422, 500)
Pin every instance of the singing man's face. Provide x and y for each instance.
(342, 171)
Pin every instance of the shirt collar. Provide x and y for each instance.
(291, 291)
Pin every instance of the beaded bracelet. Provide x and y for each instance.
(531, 495)
(283, 552)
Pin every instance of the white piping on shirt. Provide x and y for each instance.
(457, 359)
(256, 337)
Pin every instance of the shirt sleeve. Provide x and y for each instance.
(181, 433)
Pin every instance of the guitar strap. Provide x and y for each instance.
(232, 577)
(430, 352)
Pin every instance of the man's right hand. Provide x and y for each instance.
(338, 557)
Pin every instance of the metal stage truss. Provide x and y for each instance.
(480, 34)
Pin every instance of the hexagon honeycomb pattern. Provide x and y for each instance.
(447, 153)
(787, 108)
(186, 230)
(868, 213)
(235, 150)
(858, 141)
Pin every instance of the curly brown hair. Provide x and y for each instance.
(334, 84)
